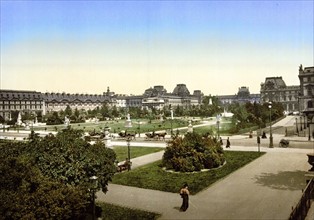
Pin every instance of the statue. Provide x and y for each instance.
(301, 67)
(19, 119)
(128, 122)
(66, 121)
(190, 127)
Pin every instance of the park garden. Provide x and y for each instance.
(49, 177)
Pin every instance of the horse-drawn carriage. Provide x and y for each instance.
(155, 136)
(124, 134)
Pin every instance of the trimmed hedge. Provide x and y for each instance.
(193, 152)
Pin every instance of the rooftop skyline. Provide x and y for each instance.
(130, 46)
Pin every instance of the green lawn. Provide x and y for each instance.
(122, 151)
(114, 212)
(152, 176)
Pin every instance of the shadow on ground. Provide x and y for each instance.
(285, 180)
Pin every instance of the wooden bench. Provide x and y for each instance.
(126, 165)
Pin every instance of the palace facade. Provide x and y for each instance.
(274, 89)
(34, 102)
(241, 97)
(306, 96)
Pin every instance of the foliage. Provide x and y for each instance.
(193, 152)
(27, 194)
(254, 114)
(113, 212)
(48, 178)
(152, 176)
(70, 159)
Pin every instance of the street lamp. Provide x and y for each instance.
(271, 145)
(128, 140)
(171, 112)
(139, 128)
(296, 125)
(218, 122)
(94, 185)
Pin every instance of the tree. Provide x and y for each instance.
(68, 111)
(27, 194)
(71, 160)
(50, 175)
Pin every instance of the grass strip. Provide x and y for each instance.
(122, 151)
(114, 212)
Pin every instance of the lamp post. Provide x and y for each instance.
(128, 140)
(94, 185)
(301, 123)
(271, 145)
(139, 128)
(171, 112)
(296, 125)
(304, 122)
(218, 123)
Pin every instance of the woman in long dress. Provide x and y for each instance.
(184, 192)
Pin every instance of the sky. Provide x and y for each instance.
(130, 46)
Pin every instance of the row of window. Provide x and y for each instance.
(20, 107)
(20, 102)
(308, 79)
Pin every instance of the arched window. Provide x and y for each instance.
(310, 104)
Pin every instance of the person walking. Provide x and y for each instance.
(184, 192)
(258, 142)
(228, 143)
(221, 142)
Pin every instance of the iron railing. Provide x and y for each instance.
(303, 206)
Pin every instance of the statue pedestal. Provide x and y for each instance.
(190, 127)
(128, 124)
(107, 138)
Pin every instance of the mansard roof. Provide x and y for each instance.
(21, 95)
(274, 83)
(67, 97)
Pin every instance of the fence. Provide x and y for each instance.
(300, 211)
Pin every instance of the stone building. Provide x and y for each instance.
(21, 101)
(158, 97)
(32, 101)
(306, 97)
(59, 101)
(274, 89)
(242, 96)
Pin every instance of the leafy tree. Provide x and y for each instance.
(27, 194)
(48, 178)
(53, 119)
(68, 111)
(71, 160)
(105, 110)
(114, 111)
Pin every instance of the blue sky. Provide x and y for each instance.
(214, 46)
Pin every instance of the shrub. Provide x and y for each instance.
(192, 152)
